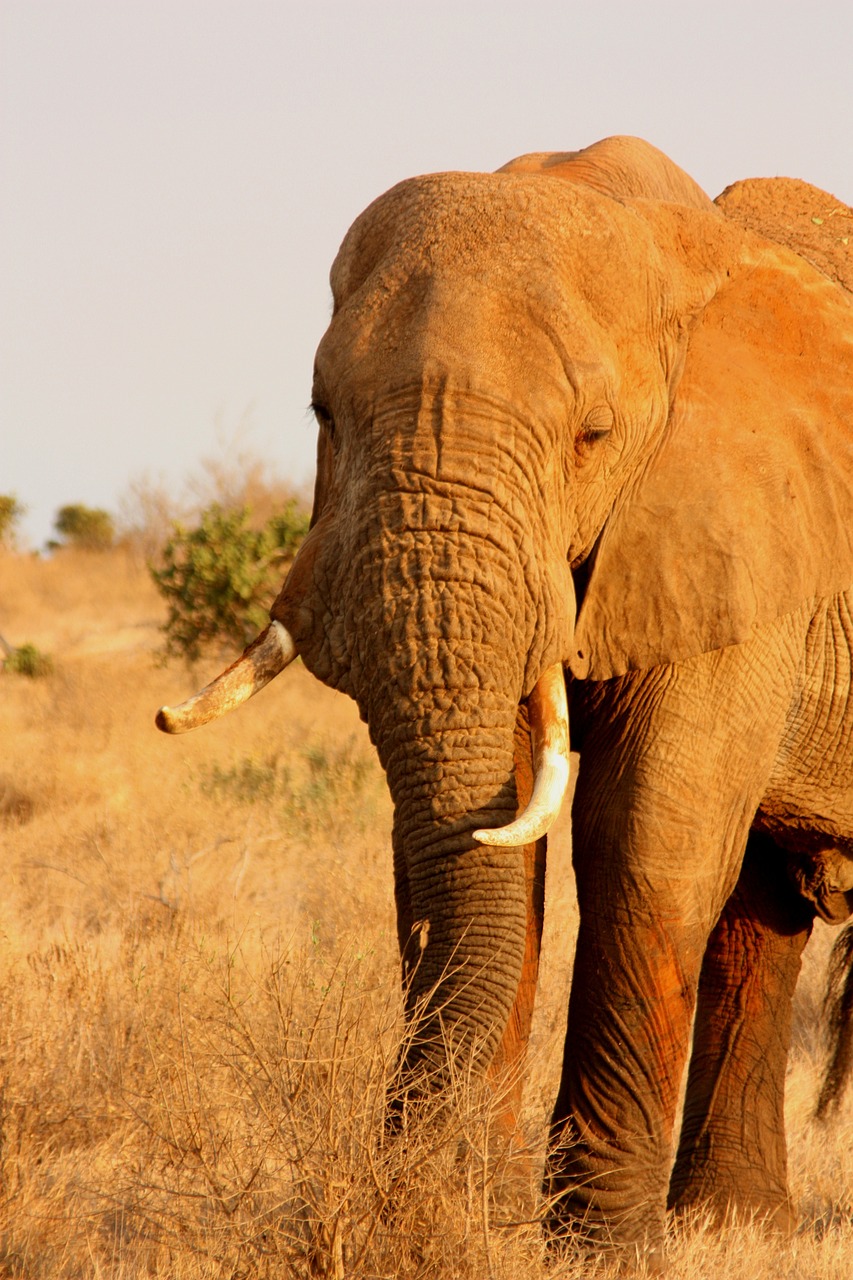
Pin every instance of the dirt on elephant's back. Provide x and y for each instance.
(793, 213)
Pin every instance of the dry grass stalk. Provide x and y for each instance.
(201, 1014)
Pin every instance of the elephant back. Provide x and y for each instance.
(811, 222)
(621, 167)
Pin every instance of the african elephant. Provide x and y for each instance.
(576, 418)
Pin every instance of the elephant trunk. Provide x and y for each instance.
(438, 665)
(462, 915)
(464, 910)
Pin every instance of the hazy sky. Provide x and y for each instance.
(176, 176)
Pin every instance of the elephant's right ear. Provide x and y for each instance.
(746, 510)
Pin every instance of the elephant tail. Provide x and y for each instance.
(838, 1007)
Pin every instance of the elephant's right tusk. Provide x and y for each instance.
(549, 732)
(260, 662)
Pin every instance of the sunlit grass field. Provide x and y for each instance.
(200, 1005)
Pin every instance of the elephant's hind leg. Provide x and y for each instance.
(732, 1153)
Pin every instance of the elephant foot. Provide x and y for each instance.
(728, 1200)
(640, 1257)
(605, 1224)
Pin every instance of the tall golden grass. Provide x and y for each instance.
(199, 993)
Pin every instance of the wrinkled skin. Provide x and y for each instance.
(574, 412)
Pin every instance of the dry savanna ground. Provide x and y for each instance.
(199, 994)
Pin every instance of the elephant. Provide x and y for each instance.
(586, 443)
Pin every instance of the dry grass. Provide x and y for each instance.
(199, 989)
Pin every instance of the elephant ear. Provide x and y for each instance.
(746, 509)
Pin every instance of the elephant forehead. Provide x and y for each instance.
(492, 276)
(439, 347)
(516, 231)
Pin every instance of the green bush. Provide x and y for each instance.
(245, 782)
(309, 790)
(88, 527)
(11, 511)
(28, 661)
(219, 578)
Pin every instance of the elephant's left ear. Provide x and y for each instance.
(746, 510)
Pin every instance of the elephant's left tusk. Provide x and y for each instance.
(260, 662)
(549, 732)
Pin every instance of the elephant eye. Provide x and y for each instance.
(591, 435)
(596, 426)
(324, 418)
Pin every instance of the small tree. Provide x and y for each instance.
(218, 579)
(11, 511)
(88, 527)
(27, 660)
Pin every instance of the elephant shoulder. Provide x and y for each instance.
(793, 213)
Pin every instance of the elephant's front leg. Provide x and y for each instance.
(732, 1152)
(674, 763)
(633, 994)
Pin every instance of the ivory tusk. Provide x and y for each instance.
(260, 662)
(549, 732)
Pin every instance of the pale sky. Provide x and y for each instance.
(176, 177)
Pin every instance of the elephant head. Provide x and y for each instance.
(540, 401)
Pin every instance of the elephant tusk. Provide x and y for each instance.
(260, 662)
(549, 731)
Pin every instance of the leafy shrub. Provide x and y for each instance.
(28, 661)
(232, 478)
(88, 527)
(311, 790)
(245, 782)
(11, 511)
(335, 773)
(218, 578)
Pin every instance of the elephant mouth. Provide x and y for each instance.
(274, 649)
